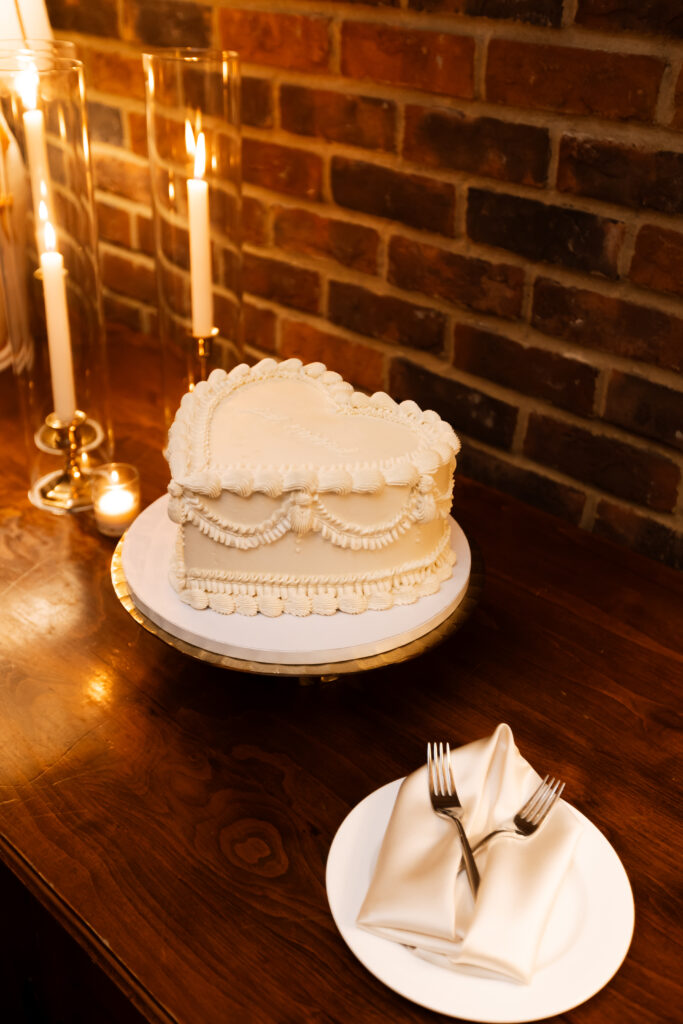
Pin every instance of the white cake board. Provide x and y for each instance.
(147, 548)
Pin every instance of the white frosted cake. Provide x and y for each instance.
(295, 494)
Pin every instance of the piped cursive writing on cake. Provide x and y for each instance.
(302, 433)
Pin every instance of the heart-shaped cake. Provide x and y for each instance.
(295, 494)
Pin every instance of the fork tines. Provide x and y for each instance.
(540, 802)
(439, 777)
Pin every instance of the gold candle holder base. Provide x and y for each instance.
(200, 356)
(69, 488)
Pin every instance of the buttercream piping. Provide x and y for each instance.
(406, 573)
(303, 513)
(196, 477)
(188, 447)
(249, 598)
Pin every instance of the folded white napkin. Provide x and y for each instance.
(416, 896)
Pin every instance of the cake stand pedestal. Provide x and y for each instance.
(315, 647)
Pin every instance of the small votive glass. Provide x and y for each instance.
(115, 497)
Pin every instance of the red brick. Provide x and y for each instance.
(565, 382)
(308, 233)
(662, 16)
(440, 6)
(113, 71)
(463, 280)
(129, 277)
(361, 366)
(98, 19)
(541, 231)
(558, 499)
(120, 175)
(257, 102)
(105, 123)
(282, 168)
(480, 145)
(291, 41)
(339, 117)
(258, 326)
(609, 324)
(165, 23)
(227, 269)
(174, 244)
(645, 408)
(677, 121)
(175, 285)
(376, 3)
(113, 224)
(573, 81)
(118, 311)
(385, 317)
(227, 317)
(658, 259)
(609, 464)
(281, 282)
(225, 210)
(621, 173)
(410, 198)
(534, 12)
(137, 131)
(254, 221)
(439, 62)
(471, 412)
(145, 232)
(640, 533)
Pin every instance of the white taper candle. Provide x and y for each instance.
(36, 146)
(200, 239)
(58, 334)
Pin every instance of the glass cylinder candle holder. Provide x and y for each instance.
(49, 273)
(115, 497)
(11, 47)
(194, 144)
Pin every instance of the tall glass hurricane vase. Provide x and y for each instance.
(49, 273)
(194, 144)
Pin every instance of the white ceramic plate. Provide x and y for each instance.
(585, 942)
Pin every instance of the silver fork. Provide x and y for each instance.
(531, 816)
(445, 801)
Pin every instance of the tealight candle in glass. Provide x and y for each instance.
(115, 497)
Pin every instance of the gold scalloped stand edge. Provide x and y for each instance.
(325, 671)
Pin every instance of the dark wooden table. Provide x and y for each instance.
(165, 824)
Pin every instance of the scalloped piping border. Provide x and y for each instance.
(310, 515)
(249, 594)
(437, 442)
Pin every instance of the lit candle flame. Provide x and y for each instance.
(189, 139)
(50, 236)
(196, 149)
(27, 87)
(200, 157)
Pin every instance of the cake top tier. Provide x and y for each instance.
(277, 427)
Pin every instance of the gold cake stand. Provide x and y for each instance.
(325, 671)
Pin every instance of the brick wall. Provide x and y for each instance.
(473, 203)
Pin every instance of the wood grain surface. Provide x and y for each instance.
(174, 817)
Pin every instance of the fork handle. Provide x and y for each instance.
(470, 867)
